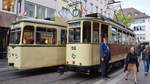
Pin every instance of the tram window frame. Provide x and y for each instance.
(47, 36)
(74, 37)
(124, 38)
(116, 40)
(63, 37)
(86, 34)
(120, 37)
(96, 27)
(17, 39)
(31, 29)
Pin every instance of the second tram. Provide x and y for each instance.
(37, 43)
(84, 37)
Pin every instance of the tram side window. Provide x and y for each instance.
(28, 35)
(95, 32)
(45, 36)
(63, 37)
(124, 36)
(15, 36)
(114, 35)
(86, 32)
(120, 37)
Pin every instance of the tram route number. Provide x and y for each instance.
(73, 48)
(73, 56)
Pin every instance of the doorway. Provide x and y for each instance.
(104, 32)
(3, 42)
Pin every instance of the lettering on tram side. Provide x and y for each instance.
(73, 56)
(73, 48)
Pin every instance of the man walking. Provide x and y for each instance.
(105, 57)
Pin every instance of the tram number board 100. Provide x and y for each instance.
(73, 47)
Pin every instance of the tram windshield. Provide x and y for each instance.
(74, 32)
(15, 36)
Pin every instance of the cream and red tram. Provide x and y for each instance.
(37, 43)
(84, 37)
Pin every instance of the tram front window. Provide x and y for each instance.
(15, 36)
(74, 35)
(86, 32)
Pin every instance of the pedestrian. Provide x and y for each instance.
(131, 64)
(105, 57)
(146, 59)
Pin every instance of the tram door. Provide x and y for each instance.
(104, 32)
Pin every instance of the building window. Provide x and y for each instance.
(50, 13)
(29, 9)
(40, 12)
(8, 5)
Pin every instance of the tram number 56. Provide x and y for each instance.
(73, 48)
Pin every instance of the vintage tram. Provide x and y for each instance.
(84, 37)
(37, 43)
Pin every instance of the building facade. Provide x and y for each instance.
(84, 7)
(140, 24)
(7, 15)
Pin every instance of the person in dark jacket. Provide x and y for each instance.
(105, 57)
(131, 63)
(146, 59)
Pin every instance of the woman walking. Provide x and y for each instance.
(131, 64)
(146, 59)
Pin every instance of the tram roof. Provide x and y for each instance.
(39, 21)
(103, 20)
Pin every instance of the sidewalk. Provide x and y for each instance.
(142, 79)
(119, 78)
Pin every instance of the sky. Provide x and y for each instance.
(141, 5)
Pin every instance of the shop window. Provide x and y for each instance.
(86, 32)
(28, 35)
(46, 36)
(8, 5)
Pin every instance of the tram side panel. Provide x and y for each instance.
(79, 55)
(95, 54)
(14, 55)
(36, 57)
